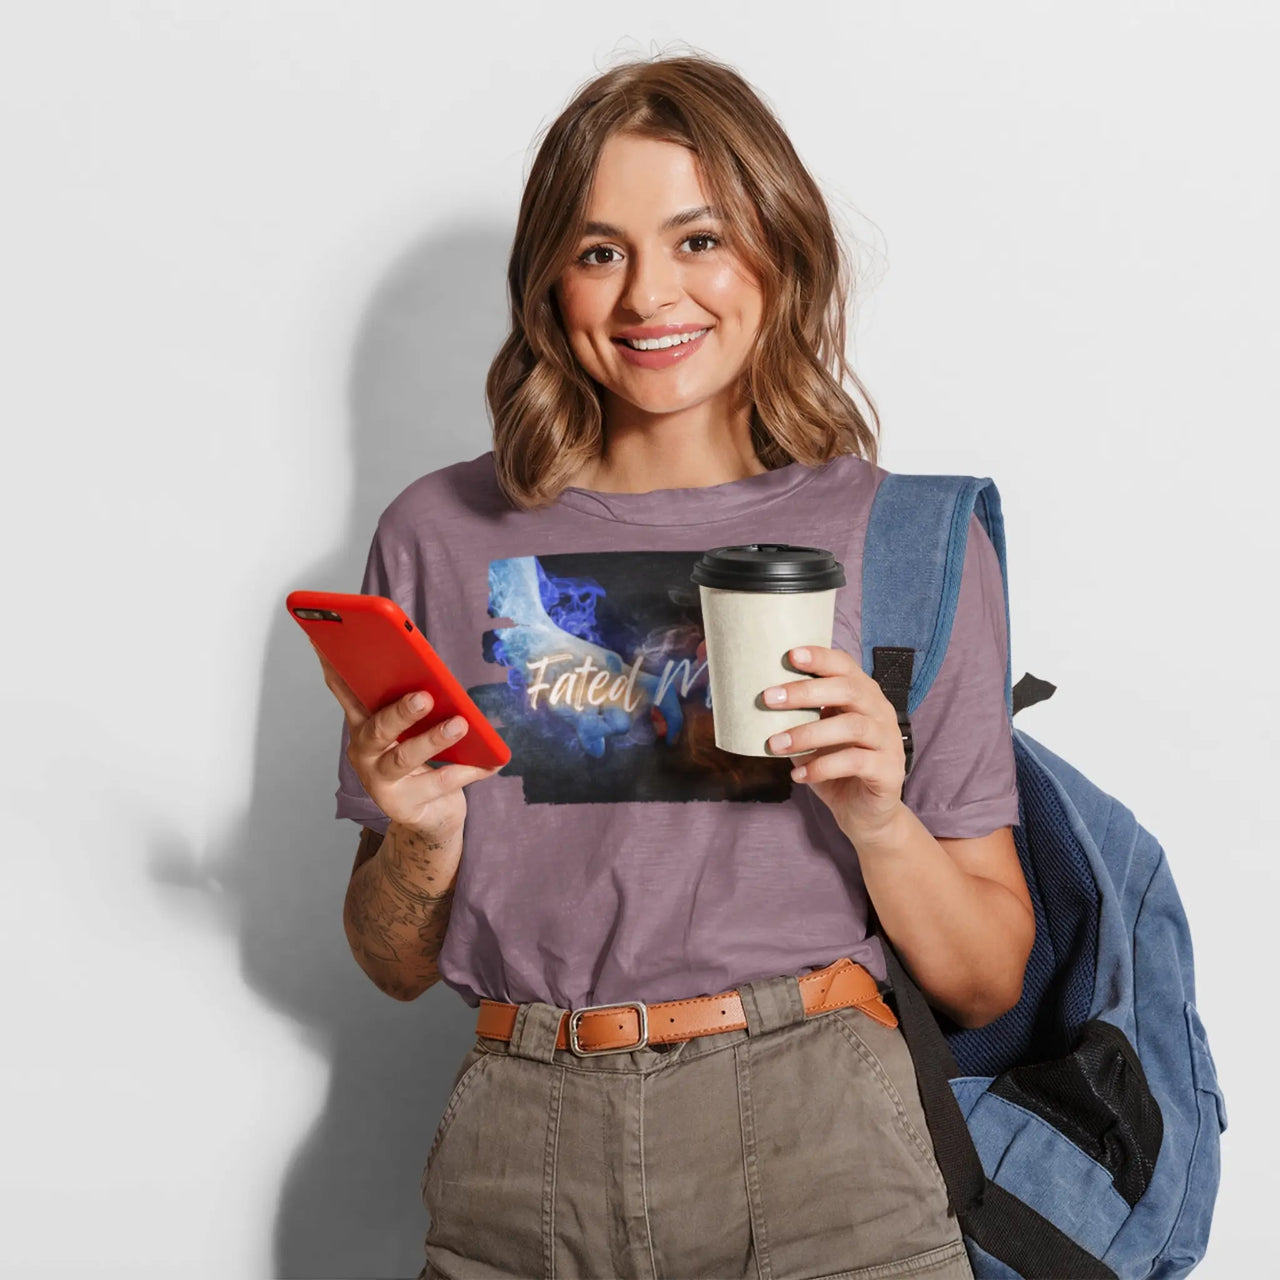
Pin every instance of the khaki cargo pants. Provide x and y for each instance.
(793, 1149)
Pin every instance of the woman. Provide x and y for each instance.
(743, 1104)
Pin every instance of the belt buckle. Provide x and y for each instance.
(575, 1018)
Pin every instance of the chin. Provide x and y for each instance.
(663, 404)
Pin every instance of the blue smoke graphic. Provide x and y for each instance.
(571, 603)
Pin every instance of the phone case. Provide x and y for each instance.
(378, 651)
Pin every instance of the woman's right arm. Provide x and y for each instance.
(397, 906)
(400, 894)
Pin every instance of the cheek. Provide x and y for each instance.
(569, 302)
(579, 312)
(734, 298)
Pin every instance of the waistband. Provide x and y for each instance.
(632, 1024)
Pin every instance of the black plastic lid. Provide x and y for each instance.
(768, 566)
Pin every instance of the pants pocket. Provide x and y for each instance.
(842, 1176)
(462, 1079)
(887, 1046)
(487, 1176)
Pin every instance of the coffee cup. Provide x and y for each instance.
(759, 601)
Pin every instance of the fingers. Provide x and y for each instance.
(380, 734)
(820, 691)
(847, 762)
(823, 661)
(443, 779)
(453, 777)
(837, 681)
(411, 755)
(849, 728)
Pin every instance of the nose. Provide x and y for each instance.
(654, 283)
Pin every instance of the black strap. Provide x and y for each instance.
(1030, 690)
(1011, 1230)
(997, 1221)
(935, 1064)
(891, 669)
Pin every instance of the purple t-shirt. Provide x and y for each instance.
(621, 855)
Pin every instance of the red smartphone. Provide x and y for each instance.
(378, 651)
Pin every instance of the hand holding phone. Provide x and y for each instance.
(367, 642)
(399, 775)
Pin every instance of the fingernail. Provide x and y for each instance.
(774, 695)
(800, 655)
(780, 742)
(455, 726)
(416, 702)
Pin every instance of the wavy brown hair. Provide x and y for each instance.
(547, 419)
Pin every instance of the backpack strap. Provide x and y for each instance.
(911, 565)
(912, 562)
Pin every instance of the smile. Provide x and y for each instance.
(658, 353)
(660, 344)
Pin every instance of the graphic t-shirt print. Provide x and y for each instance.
(607, 696)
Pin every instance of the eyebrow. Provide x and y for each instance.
(681, 219)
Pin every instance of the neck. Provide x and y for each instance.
(690, 449)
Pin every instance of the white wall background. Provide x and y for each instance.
(252, 277)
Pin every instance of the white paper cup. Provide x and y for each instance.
(781, 597)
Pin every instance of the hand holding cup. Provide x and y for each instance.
(855, 760)
(768, 611)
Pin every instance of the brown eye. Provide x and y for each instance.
(584, 258)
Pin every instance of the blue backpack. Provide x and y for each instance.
(1078, 1133)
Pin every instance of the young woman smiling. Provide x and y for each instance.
(683, 1064)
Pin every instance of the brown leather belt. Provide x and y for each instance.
(631, 1024)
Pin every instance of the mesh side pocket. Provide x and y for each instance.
(1098, 1096)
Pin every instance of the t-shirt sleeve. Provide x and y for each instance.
(390, 571)
(963, 781)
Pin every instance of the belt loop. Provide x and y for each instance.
(772, 1003)
(535, 1030)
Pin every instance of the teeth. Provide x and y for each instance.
(657, 344)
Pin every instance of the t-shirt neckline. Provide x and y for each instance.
(698, 505)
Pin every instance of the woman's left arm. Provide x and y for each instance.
(956, 910)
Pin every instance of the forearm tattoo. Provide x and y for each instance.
(397, 909)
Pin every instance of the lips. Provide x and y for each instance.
(659, 330)
(629, 339)
(664, 357)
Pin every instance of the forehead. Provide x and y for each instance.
(640, 182)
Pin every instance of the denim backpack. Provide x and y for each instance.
(1077, 1133)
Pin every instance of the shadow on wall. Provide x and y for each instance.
(350, 1205)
